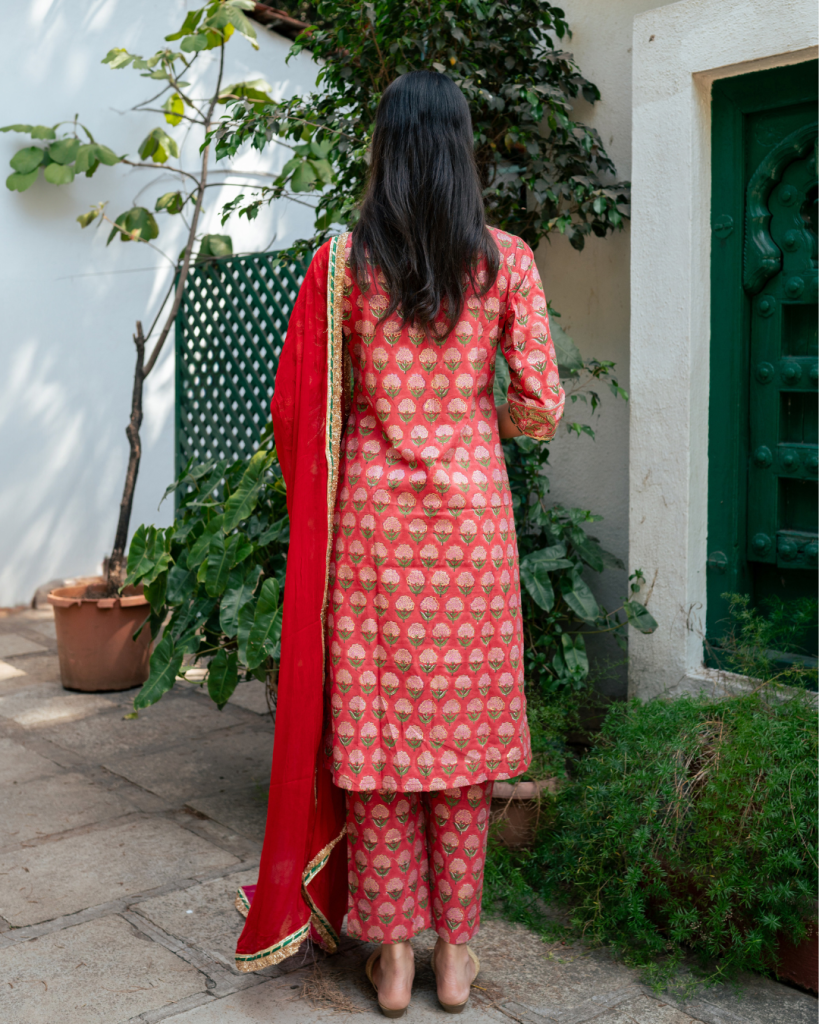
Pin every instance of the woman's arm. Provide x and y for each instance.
(506, 425)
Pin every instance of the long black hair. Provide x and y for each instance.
(422, 220)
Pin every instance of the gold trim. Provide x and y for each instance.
(242, 903)
(320, 922)
(286, 947)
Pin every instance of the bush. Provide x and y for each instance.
(690, 827)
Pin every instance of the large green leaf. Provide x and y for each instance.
(263, 640)
(166, 661)
(243, 500)
(36, 131)
(65, 151)
(27, 160)
(244, 624)
(223, 555)
(201, 546)
(215, 245)
(172, 202)
(640, 617)
(181, 583)
(57, 174)
(223, 675)
(568, 355)
(156, 591)
(20, 182)
(192, 614)
(148, 555)
(239, 591)
(579, 598)
(534, 573)
(589, 550)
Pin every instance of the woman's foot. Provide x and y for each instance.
(454, 972)
(393, 974)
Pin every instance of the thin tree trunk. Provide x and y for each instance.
(116, 564)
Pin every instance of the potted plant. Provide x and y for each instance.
(96, 622)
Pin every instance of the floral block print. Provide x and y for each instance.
(424, 633)
(416, 861)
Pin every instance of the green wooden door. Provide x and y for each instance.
(762, 514)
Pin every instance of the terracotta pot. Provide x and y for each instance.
(518, 806)
(95, 637)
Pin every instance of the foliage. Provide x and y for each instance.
(543, 171)
(69, 147)
(215, 576)
(769, 644)
(689, 828)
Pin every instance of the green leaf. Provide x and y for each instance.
(244, 624)
(135, 225)
(589, 550)
(27, 160)
(303, 177)
(568, 355)
(238, 592)
(118, 58)
(166, 661)
(181, 583)
(534, 575)
(192, 44)
(149, 554)
(200, 547)
(65, 151)
(59, 175)
(189, 617)
(574, 655)
(579, 598)
(156, 591)
(174, 108)
(550, 559)
(36, 131)
(220, 559)
(223, 675)
(243, 500)
(263, 640)
(215, 245)
(158, 146)
(274, 532)
(188, 26)
(171, 201)
(85, 219)
(20, 182)
(640, 617)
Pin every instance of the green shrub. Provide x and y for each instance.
(689, 828)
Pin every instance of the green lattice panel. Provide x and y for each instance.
(229, 334)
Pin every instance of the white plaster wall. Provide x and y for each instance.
(679, 51)
(69, 303)
(591, 291)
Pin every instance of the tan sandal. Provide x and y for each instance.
(368, 970)
(457, 1007)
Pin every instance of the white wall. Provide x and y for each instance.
(591, 291)
(679, 52)
(69, 303)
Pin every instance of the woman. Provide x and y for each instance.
(402, 641)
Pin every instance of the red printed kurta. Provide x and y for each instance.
(424, 632)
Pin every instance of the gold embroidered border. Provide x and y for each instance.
(242, 903)
(536, 423)
(273, 954)
(335, 383)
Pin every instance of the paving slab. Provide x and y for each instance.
(172, 720)
(244, 810)
(9, 671)
(18, 764)
(48, 703)
(90, 868)
(46, 806)
(100, 972)
(250, 695)
(13, 644)
(203, 915)
(643, 1010)
(46, 627)
(40, 668)
(757, 1001)
(229, 759)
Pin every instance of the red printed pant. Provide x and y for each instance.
(416, 861)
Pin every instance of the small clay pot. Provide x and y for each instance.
(95, 642)
(517, 806)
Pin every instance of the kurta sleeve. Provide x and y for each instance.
(535, 396)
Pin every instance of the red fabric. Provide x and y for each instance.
(416, 861)
(305, 811)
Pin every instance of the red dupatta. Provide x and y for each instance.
(302, 886)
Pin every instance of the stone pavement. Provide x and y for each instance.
(122, 843)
